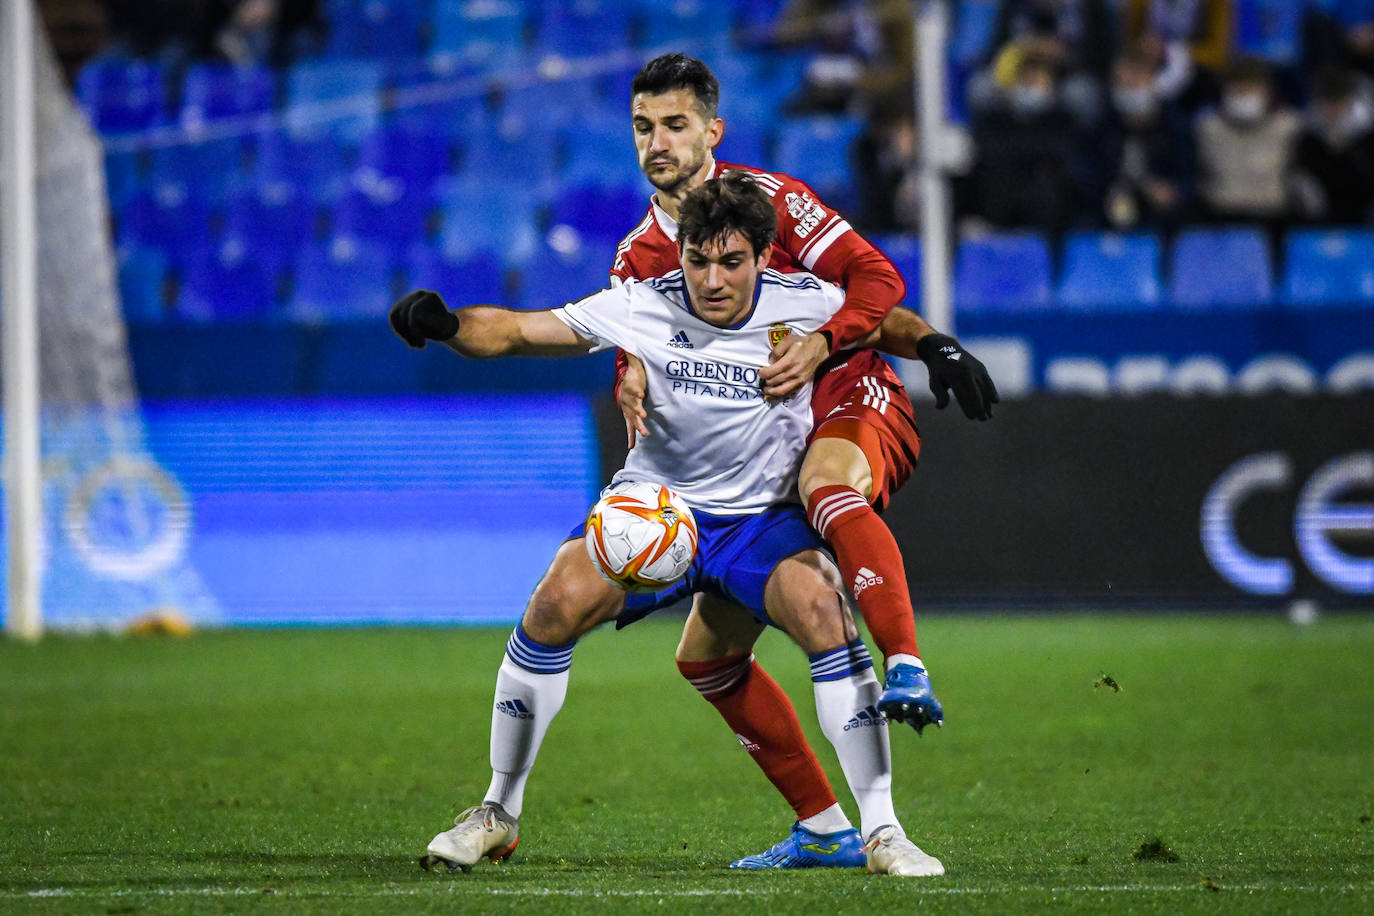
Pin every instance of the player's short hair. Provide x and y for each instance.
(678, 71)
(732, 203)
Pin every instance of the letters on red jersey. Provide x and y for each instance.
(811, 236)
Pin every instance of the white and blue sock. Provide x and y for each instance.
(530, 688)
(846, 693)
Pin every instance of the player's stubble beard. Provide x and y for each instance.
(682, 178)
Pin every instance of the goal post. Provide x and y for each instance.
(19, 269)
(98, 536)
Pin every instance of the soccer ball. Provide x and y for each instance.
(641, 536)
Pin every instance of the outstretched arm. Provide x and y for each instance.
(482, 331)
(904, 333)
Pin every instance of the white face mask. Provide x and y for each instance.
(1030, 99)
(1355, 122)
(1134, 103)
(1246, 107)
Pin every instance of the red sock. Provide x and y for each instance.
(870, 563)
(762, 717)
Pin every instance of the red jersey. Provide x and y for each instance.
(812, 237)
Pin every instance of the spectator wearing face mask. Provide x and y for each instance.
(1147, 166)
(1335, 154)
(1245, 149)
(1027, 163)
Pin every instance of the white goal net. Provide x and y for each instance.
(116, 526)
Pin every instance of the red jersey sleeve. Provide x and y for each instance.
(820, 240)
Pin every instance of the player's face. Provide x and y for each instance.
(721, 277)
(673, 139)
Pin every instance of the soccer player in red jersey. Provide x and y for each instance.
(864, 443)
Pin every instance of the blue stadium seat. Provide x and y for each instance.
(601, 213)
(706, 21)
(745, 143)
(487, 215)
(905, 253)
(600, 151)
(579, 28)
(125, 174)
(317, 167)
(212, 91)
(142, 275)
(486, 33)
(212, 169)
(756, 17)
(971, 35)
(229, 282)
(123, 95)
(1329, 267)
(1107, 269)
(418, 156)
(471, 280)
(566, 267)
(372, 28)
(816, 150)
(767, 80)
(513, 142)
(561, 102)
(339, 280)
(167, 217)
(1221, 267)
(273, 216)
(1271, 29)
(341, 98)
(384, 208)
(1003, 272)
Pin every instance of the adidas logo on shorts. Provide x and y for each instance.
(515, 709)
(865, 717)
(864, 579)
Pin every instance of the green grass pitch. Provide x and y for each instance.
(305, 770)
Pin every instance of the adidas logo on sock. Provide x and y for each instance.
(515, 709)
(681, 341)
(864, 579)
(865, 717)
(745, 743)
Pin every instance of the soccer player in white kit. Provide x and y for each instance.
(703, 333)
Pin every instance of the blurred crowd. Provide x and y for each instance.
(354, 140)
(1120, 114)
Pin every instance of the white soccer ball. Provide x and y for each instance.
(641, 536)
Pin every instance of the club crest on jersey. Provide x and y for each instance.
(776, 332)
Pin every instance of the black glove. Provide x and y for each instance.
(951, 366)
(420, 316)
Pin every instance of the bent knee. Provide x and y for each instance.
(560, 612)
(806, 601)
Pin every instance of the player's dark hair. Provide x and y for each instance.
(678, 71)
(732, 203)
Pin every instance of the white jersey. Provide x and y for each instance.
(712, 437)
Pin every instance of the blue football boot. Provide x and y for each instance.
(804, 849)
(907, 697)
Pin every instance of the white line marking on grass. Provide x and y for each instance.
(458, 885)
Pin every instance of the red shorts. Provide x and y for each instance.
(860, 399)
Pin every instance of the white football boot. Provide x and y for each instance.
(889, 852)
(484, 831)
